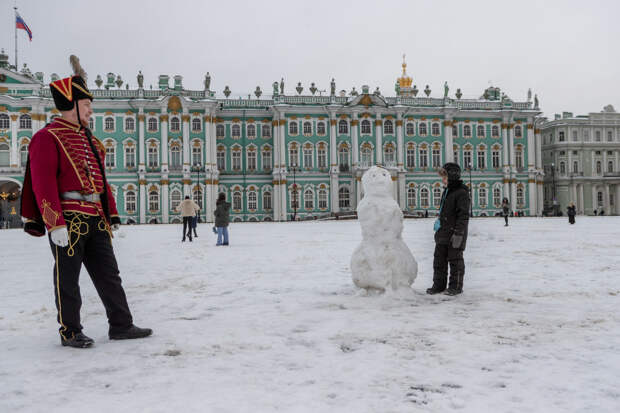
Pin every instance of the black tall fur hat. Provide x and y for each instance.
(69, 90)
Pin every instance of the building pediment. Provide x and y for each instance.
(368, 100)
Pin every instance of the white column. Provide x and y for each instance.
(506, 163)
(277, 204)
(606, 201)
(283, 182)
(14, 142)
(513, 167)
(142, 200)
(210, 168)
(354, 141)
(165, 200)
(379, 139)
(334, 175)
(532, 192)
(594, 199)
(400, 184)
(164, 143)
(581, 201)
(186, 143)
(617, 199)
(449, 150)
(141, 145)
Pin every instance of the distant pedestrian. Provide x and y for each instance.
(595, 212)
(195, 223)
(222, 219)
(505, 210)
(188, 210)
(571, 212)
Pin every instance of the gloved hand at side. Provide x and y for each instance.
(60, 236)
(456, 241)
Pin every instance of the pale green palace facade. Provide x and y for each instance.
(286, 156)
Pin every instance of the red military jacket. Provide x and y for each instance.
(61, 160)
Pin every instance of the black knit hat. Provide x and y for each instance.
(452, 170)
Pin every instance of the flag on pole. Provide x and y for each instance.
(21, 24)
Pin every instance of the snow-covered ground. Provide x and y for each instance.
(274, 323)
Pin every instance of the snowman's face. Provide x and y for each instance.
(377, 181)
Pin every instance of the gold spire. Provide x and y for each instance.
(404, 81)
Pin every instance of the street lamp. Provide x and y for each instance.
(294, 169)
(471, 197)
(197, 168)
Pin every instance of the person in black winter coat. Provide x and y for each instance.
(505, 210)
(451, 232)
(571, 212)
(222, 219)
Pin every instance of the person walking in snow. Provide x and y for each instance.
(188, 210)
(571, 212)
(505, 210)
(222, 219)
(450, 232)
(195, 223)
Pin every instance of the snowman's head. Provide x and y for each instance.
(377, 181)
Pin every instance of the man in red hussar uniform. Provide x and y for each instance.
(66, 192)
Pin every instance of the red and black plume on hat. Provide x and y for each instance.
(69, 90)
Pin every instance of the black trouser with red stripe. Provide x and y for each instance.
(89, 244)
(444, 255)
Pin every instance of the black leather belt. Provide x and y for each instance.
(76, 196)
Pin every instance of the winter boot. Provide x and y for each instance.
(78, 340)
(434, 290)
(453, 291)
(129, 333)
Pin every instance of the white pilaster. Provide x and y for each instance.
(141, 144)
(379, 139)
(164, 143)
(334, 168)
(14, 141)
(449, 150)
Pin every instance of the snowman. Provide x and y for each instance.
(382, 261)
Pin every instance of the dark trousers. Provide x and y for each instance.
(571, 219)
(187, 227)
(506, 219)
(89, 244)
(443, 256)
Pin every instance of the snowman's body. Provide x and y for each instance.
(382, 261)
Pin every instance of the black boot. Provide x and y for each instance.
(78, 340)
(453, 291)
(434, 290)
(129, 333)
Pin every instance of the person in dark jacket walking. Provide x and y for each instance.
(571, 212)
(505, 210)
(222, 219)
(450, 232)
(195, 223)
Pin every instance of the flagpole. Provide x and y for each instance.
(15, 24)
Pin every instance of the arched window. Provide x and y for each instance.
(130, 157)
(130, 202)
(4, 154)
(293, 155)
(519, 133)
(482, 155)
(388, 127)
(197, 196)
(322, 199)
(321, 156)
(175, 124)
(236, 159)
(109, 124)
(495, 154)
(175, 157)
(437, 196)
(519, 157)
(597, 135)
(266, 131)
(467, 131)
(251, 154)
(130, 124)
(292, 128)
(411, 198)
(152, 125)
(153, 201)
(410, 156)
(495, 132)
(25, 122)
(343, 127)
(520, 197)
(237, 201)
(308, 155)
(221, 158)
(252, 201)
(344, 197)
(610, 166)
(424, 197)
(343, 157)
(497, 197)
(251, 131)
(4, 121)
(388, 155)
(320, 128)
(219, 131)
(153, 156)
(175, 199)
(366, 126)
(436, 157)
(307, 128)
(455, 131)
(23, 152)
(435, 129)
(423, 157)
(267, 201)
(236, 131)
(482, 197)
(575, 167)
(410, 129)
(422, 130)
(480, 131)
(599, 168)
(562, 168)
(110, 155)
(266, 161)
(366, 156)
(467, 157)
(308, 199)
(196, 155)
(196, 125)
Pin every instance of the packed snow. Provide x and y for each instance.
(274, 323)
(382, 260)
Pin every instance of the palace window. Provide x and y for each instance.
(435, 129)
(109, 124)
(130, 202)
(293, 156)
(388, 156)
(497, 197)
(422, 129)
(175, 124)
(410, 157)
(482, 197)
(236, 131)
(25, 122)
(153, 157)
(410, 129)
(267, 200)
(219, 131)
(175, 158)
(196, 155)
(495, 156)
(130, 124)
(575, 167)
(519, 158)
(152, 125)
(562, 168)
(388, 127)
(197, 196)
(308, 156)
(467, 161)
(455, 131)
(130, 157)
(366, 157)
(599, 199)
(597, 135)
(110, 157)
(236, 161)
(320, 128)
(411, 198)
(609, 136)
(252, 201)
(424, 198)
(586, 135)
(4, 121)
(519, 133)
(520, 197)
(436, 158)
(343, 127)
(266, 158)
(423, 158)
(251, 160)
(221, 158)
(610, 166)
(322, 199)
(366, 127)
(480, 131)
(574, 136)
(343, 158)
(307, 128)
(294, 198)
(266, 131)
(175, 199)
(322, 157)
(482, 159)
(344, 200)
(456, 156)
(308, 199)
(436, 196)
(196, 125)
(237, 201)
(495, 132)
(153, 201)
(467, 131)
(251, 129)
(292, 128)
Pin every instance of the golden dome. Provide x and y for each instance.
(404, 81)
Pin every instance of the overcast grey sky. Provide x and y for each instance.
(566, 51)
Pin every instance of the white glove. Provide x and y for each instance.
(116, 227)
(60, 236)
